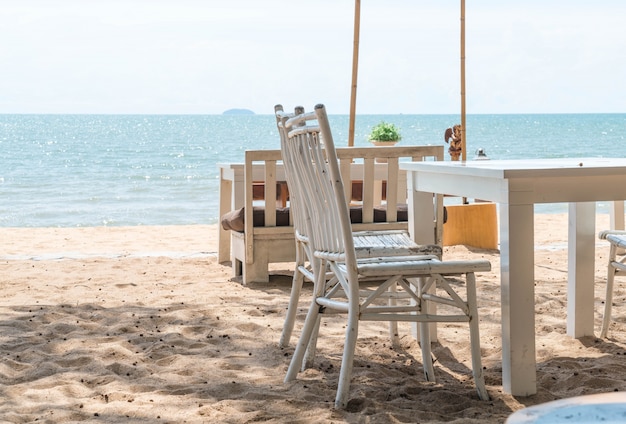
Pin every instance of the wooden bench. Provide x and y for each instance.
(252, 248)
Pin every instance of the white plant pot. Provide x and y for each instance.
(384, 143)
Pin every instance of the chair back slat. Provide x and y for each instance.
(317, 172)
(384, 188)
(299, 212)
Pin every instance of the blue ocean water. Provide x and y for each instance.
(113, 170)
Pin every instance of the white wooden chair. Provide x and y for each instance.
(376, 240)
(616, 266)
(410, 281)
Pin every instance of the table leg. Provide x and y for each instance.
(616, 215)
(519, 375)
(580, 269)
(421, 215)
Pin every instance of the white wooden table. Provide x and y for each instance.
(517, 185)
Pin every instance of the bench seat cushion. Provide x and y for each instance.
(380, 213)
(235, 220)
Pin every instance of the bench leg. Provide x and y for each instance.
(237, 267)
(257, 272)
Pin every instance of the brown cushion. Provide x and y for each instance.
(380, 213)
(234, 220)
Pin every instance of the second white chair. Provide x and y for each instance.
(616, 266)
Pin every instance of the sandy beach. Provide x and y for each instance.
(142, 325)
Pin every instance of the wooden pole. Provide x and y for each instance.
(355, 68)
(463, 123)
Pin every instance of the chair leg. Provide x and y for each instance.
(424, 335)
(347, 361)
(393, 325)
(298, 356)
(311, 323)
(427, 359)
(608, 300)
(311, 349)
(477, 365)
(296, 289)
(292, 308)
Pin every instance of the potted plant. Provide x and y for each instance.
(385, 134)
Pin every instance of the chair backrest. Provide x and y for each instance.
(298, 210)
(375, 191)
(310, 156)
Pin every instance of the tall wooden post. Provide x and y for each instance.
(355, 68)
(463, 123)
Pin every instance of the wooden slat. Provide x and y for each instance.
(368, 190)
(248, 212)
(392, 189)
(270, 193)
(261, 166)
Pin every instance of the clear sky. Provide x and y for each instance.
(207, 56)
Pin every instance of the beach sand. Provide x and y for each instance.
(142, 325)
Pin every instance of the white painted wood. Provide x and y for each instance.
(266, 166)
(616, 214)
(616, 266)
(517, 185)
(371, 238)
(616, 217)
(517, 299)
(315, 179)
(580, 268)
(226, 187)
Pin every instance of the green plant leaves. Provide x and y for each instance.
(385, 131)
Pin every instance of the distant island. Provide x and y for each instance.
(238, 112)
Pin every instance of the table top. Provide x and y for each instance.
(520, 168)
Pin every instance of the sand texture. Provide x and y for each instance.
(142, 325)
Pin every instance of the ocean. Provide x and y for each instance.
(121, 170)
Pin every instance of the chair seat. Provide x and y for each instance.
(617, 239)
(418, 266)
(391, 243)
(411, 265)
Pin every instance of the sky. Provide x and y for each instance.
(208, 56)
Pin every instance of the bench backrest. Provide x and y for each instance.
(361, 169)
